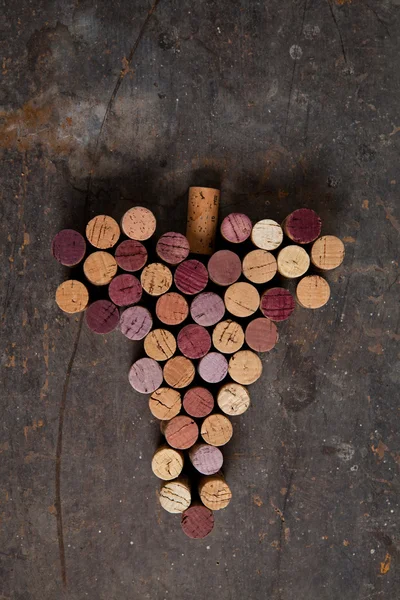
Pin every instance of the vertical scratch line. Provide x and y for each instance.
(338, 29)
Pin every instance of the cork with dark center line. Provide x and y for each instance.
(156, 279)
(245, 367)
(313, 292)
(194, 341)
(202, 217)
(145, 375)
(197, 521)
(167, 463)
(224, 267)
(214, 492)
(172, 308)
(165, 403)
(72, 296)
(207, 309)
(102, 316)
(198, 402)
(131, 255)
(206, 459)
(242, 299)
(68, 247)
(233, 399)
(236, 228)
(138, 223)
(293, 261)
(228, 337)
(136, 322)
(267, 234)
(160, 344)
(216, 430)
(261, 334)
(277, 304)
(125, 289)
(302, 226)
(175, 496)
(259, 266)
(103, 232)
(191, 277)
(327, 252)
(181, 432)
(100, 267)
(172, 248)
(179, 372)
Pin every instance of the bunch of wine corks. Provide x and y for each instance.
(203, 316)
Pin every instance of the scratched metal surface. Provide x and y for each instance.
(285, 103)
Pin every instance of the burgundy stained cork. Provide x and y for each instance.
(68, 247)
(145, 375)
(302, 226)
(224, 267)
(181, 432)
(261, 335)
(198, 402)
(206, 459)
(136, 322)
(194, 341)
(197, 521)
(125, 289)
(102, 316)
(131, 255)
(277, 304)
(173, 248)
(207, 309)
(191, 277)
(172, 308)
(236, 228)
(213, 367)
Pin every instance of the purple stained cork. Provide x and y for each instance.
(197, 521)
(206, 459)
(102, 316)
(136, 322)
(145, 375)
(207, 309)
(277, 304)
(224, 267)
(198, 402)
(303, 226)
(125, 290)
(131, 255)
(236, 228)
(194, 341)
(68, 247)
(213, 367)
(173, 248)
(191, 277)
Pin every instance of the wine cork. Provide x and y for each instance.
(136, 322)
(267, 234)
(277, 304)
(100, 267)
(68, 247)
(197, 521)
(131, 255)
(203, 205)
(261, 334)
(102, 317)
(165, 403)
(194, 341)
(167, 463)
(236, 228)
(173, 248)
(302, 226)
(216, 430)
(198, 402)
(214, 492)
(228, 337)
(224, 267)
(125, 289)
(160, 344)
(259, 266)
(245, 367)
(172, 308)
(138, 223)
(181, 432)
(72, 296)
(242, 299)
(293, 261)
(179, 372)
(327, 252)
(175, 496)
(156, 279)
(145, 375)
(207, 309)
(103, 232)
(233, 399)
(213, 367)
(206, 459)
(313, 292)
(191, 277)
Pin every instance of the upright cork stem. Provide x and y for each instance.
(202, 218)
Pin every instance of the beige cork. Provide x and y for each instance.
(165, 403)
(156, 279)
(179, 372)
(167, 463)
(175, 496)
(327, 252)
(100, 267)
(72, 296)
(103, 232)
(214, 492)
(245, 367)
(216, 430)
(259, 266)
(138, 223)
(313, 291)
(267, 234)
(160, 344)
(233, 399)
(228, 337)
(202, 218)
(242, 299)
(293, 261)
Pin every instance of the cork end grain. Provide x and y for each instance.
(277, 304)
(233, 399)
(160, 344)
(145, 375)
(267, 234)
(156, 279)
(224, 267)
(245, 367)
(167, 463)
(179, 372)
(136, 322)
(165, 403)
(313, 292)
(197, 521)
(202, 217)
(198, 402)
(131, 255)
(181, 432)
(102, 317)
(138, 223)
(302, 226)
(207, 309)
(191, 277)
(213, 367)
(228, 337)
(100, 268)
(68, 247)
(173, 248)
(103, 232)
(242, 299)
(206, 459)
(259, 266)
(194, 341)
(216, 430)
(327, 252)
(236, 228)
(293, 261)
(72, 296)
(261, 335)
(172, 308)
(214, 492)
(175, 496)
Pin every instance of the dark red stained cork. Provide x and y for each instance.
(191, 277)
(277, 304)
(173, 248)
(131, 255)
(136, 322)
(181, 432)
(198, 402)
(125, 289)
(145, 375)
(261, 335)
(102, 316)
(197, 521)
(236, 228)
(207, 309)
(224, 267)
(68, 247)
(194, 341)
(206, 459)
(303, 226)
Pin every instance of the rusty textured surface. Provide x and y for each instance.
(285, 103)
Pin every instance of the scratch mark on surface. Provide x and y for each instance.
(338, 30)
(388, 212)
(378, 18)
(294, 71)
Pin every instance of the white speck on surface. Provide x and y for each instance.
(295, 52)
